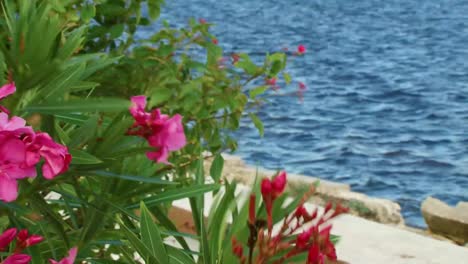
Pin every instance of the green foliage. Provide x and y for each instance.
(76, 64)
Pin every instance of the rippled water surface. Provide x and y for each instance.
(386, 108)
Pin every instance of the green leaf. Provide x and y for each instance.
(258, 91)
(82, 157)
(160, 96)
(81, 105)
(151, 236)
(116, 31)
(154, 8)
(176, 194)
(88, 12)
(137, 244)
(246, 64)
(287, 77)
(4, 222)
(108, 174)
(217, 167)
(257, 122)
(177, 256)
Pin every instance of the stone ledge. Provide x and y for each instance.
(376, 209)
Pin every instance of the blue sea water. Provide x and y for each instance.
(386, 108)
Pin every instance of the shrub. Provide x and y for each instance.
(96, 124)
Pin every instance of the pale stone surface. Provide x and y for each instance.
(445, 220)
(380, 210)
(366, 242)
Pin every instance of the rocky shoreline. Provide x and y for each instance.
(375, 209)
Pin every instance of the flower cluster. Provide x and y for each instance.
(23, 240)
(301, 231)
(161, 131)
(21, 149)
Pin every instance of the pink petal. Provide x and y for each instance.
(138, 104)
(159, 156)
(7, 89)
(17, 259)
(72, 255)
(8, 189)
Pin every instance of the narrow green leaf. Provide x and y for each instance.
(137, 244)
(217, 168)
(258, 123)
(135, 178)
(151, 236)
(287, 77)
(177, 256)
(82, 157)
(176, 194)
(81, 105)
(257, 91)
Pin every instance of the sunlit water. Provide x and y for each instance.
(387, 105)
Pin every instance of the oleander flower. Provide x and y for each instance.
(21, 149)
(301, 49)
(56, 156)
(302, 86)
(70, 259)
(271, 81)
(164, 133)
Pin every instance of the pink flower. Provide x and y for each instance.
(301, 49)
(302, 86)
(17, 259)
(56, 156)
(7, 237)
(215, 41)
(7, 90)
(271, 81)
(13, 164)
(70, 259)
(25, 240)
(161, 131)
(21, 150)
(202, 21)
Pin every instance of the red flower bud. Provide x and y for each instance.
(328, 207)
(24, 240)
(279, 183)
(7, 237)
(303, 238)
(202, 21)
(315, 256)
(215, 41)
(266, 187)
